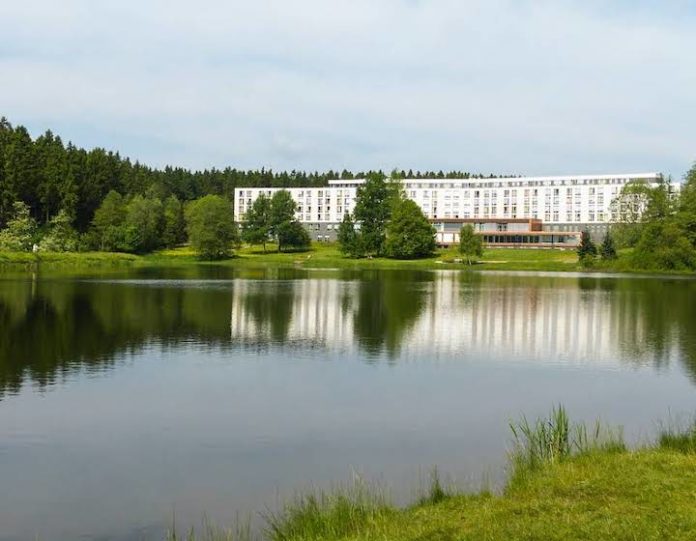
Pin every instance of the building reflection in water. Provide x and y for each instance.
(549, 319)
(53, 328)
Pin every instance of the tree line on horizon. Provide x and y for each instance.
(50, 176)
(58, 197)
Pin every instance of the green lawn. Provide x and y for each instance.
(566, 482)
(321, 256)
(327, 255)
(66, 259)
(605, 495)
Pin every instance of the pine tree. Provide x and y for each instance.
(6, 196)
(608, 250)
(587, 250)
(349, 241)
(52, 172)
(20, 173)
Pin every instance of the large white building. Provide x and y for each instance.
(562, 203)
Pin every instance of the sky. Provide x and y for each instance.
(490, 86)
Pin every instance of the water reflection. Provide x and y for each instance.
(50, 328)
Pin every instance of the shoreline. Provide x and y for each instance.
(565, 481)
(327, 257)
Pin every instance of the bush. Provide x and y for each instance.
(61, 236)
(664, 246)
(20, 233)
(292, 234)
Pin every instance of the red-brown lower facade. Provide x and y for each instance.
(506, 233)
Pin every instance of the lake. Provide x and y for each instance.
(132, 398)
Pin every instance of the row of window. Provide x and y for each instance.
(500, 183)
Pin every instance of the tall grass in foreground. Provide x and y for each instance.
(209, 532)
(554, 439)
(327, 515)
(436, 491)
(353, 509)
(678, 438)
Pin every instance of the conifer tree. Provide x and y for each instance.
(348, 238)
(608, 250)
(587, 250)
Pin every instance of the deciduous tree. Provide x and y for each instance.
(174, 224)
(409, 235)
(144, 224)
(470, 244)
(283, 225)
(292, 234)
(257, 222)
(20, 233)
(211, 228)
(664, 246)
(61, 237)
(372, 211)
(107, 225)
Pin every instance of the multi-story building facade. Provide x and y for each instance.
(564, 204)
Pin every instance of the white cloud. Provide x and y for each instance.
(494, 86)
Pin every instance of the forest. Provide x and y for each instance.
(50, 176)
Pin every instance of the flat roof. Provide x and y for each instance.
(498, 179)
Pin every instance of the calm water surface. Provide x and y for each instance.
(128, 398)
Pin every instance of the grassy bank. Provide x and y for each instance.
(326, 256)
(566, 482)
(25, 260)
(323, 256)
(320, 256)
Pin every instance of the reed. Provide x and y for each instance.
(241, 531)
(553, 439)
(328, 514)
(436, 491)
(679, 438)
